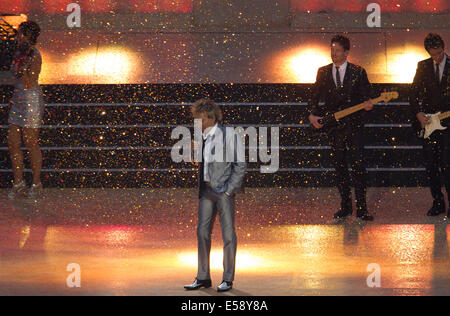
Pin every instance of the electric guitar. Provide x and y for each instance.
(435, 124)
(332, 121)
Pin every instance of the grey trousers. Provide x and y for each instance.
(210, 204)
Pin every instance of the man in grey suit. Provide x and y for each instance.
(222, 170)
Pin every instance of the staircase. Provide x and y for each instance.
(118, 136)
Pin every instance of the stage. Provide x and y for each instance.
(143, 242)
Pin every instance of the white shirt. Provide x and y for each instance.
(207, 150)
(441, 66)
(342, 69)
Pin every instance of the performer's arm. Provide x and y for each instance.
(239, 166)
(316, 93)
(416, 96)
(314, 100)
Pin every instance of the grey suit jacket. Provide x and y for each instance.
(227, 174)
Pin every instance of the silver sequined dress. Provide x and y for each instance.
(27, 105)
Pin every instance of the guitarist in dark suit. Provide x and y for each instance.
(429, 95)
(341, 85)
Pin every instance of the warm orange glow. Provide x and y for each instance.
(110, 65)
(120, 235)
(302, 259)
(244, 260)
(301, 65)
(405, 243)
(409, 249)
(15, 20)
(24, 235)
(402, 67)
(47, 75)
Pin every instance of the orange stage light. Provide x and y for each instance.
(301, 65)
(244, 260)
(110, 65)
(13, 20)
(401, 68)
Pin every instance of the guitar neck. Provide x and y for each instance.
(341, 114)
(444, 116)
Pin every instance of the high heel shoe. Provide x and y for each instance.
(18, 190)
(35, 191)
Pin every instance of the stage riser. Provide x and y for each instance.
(174, 93)
(161, 137)
(89, 139)
(147, 114)
(160, 159)
(189, 179)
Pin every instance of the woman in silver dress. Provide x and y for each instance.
(26, 111)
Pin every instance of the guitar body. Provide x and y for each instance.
(433, 126)
(332, 122)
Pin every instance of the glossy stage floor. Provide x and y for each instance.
(143, 242)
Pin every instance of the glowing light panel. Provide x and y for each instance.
(111, 65)
(300, 66)
(402, 67)
(244, 260)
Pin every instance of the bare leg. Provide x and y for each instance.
(15, 151)
(31, 138)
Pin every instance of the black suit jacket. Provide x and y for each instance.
(426, 94)
(356, 89)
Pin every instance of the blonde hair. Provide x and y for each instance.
(208, 107)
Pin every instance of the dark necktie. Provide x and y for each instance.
(202, 165)
(438, 77)
(338, 78)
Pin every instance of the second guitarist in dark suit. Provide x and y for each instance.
(429, 95)
(341, 85)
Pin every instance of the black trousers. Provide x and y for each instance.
(436, 152)
(348, 149)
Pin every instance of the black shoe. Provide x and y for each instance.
(343, 213)
(365, 216)
(225, 286)
(437, 209)
(198, 284)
